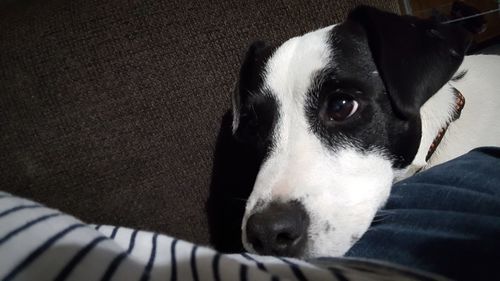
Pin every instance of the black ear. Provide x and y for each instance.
(251, 78)
(414, 57)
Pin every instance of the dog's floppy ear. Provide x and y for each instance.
(414, 57)
(251, 78)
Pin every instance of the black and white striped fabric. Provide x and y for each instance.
(39, 243)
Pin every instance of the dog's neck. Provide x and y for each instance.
(436, 114)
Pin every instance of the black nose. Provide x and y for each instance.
(280, 229)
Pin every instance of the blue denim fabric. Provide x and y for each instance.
(444, 220)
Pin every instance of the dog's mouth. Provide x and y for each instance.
(303, 229)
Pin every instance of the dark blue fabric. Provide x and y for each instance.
(444, 220)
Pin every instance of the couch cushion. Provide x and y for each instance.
(109, 110)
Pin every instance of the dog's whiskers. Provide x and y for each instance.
(385, 212)
(379, 219)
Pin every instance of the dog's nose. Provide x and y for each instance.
(280, 229)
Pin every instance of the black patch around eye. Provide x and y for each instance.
(375, 125)
(321, 112)
(257, 121)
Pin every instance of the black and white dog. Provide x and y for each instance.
(343, 112)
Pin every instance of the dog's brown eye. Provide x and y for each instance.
(340, 108)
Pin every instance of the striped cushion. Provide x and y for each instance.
(39, 243)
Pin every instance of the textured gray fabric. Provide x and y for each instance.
(109, 110)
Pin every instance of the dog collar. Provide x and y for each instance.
(459, 105)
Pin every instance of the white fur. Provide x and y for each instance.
(341, 191)
(478, 123)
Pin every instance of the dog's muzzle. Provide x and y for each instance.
(279, 229)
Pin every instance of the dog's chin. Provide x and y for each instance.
(329, 237)
(323, 246)
(318, 251)
(334, 244)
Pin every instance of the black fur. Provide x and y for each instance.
(257, 108)
(459, 76)
(374, 125)
(414, 57)
(391, 65)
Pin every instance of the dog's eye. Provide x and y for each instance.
(340, 108)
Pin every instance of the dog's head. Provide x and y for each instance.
(335, 113)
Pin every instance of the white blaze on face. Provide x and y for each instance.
(341, 188)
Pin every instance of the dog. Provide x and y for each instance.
(341, 113)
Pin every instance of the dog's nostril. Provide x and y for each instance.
(285, 239)
(257, 244)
